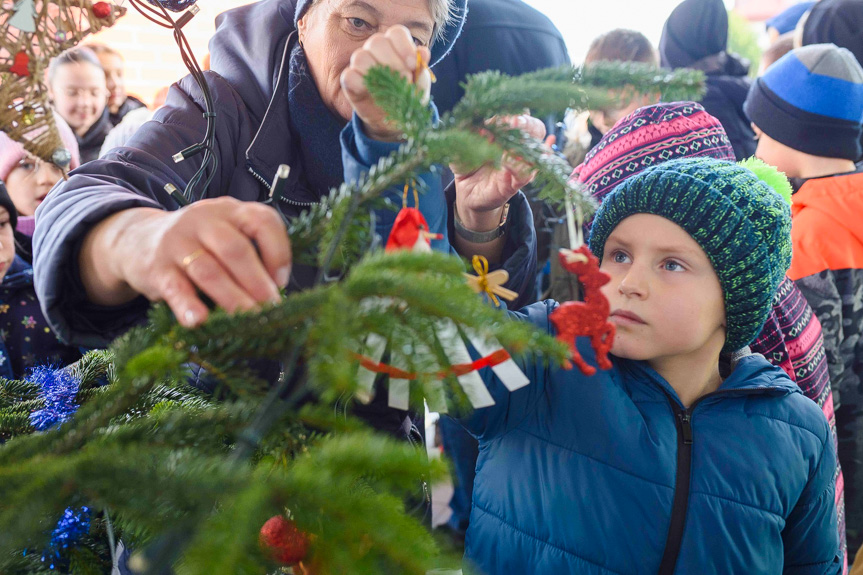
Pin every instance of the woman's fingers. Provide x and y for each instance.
(176, 290)
(265, 227)
(216, 282)
(236, 254)
(395, 49)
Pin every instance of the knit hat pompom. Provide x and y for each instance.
(741, 222)
(770, 176)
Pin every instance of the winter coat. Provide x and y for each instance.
(131, 103)
(90, 144)
(25, 339)
(253, 136)
(727, 86)
(827, 266)
(611, 474)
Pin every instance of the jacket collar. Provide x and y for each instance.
(751, 374)
(262, 157)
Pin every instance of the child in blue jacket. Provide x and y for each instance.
(690, 455)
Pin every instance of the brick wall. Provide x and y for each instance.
(152, 57)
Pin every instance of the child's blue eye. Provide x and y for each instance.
(619, 257)
(672, 266)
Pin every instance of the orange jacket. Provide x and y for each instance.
(827, 226)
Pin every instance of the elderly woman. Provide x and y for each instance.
(287, 85)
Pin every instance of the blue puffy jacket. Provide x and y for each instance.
(611, 474)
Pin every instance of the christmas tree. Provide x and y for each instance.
(253, 478)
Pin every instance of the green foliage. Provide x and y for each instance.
(188, 478)
(743, 40)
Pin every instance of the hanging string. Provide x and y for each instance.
(421, 67)
(410, 184)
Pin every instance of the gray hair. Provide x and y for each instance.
(441, 11)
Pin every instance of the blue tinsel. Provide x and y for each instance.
(69, 530)
(59, 389)
(173, 5)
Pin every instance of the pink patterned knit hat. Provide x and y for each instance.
(652, 135)
(12, 152)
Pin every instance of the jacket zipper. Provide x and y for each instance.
(680, 504)
(283, 199)
(681, 488)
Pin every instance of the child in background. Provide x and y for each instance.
(584, 130)
(791, 336)
(28, 181)
(76, 86)
(665, 463)
(807, 110)
(119, 102)
(25, 339)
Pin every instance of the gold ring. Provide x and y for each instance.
(187, 261)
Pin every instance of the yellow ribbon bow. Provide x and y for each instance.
(489, 283)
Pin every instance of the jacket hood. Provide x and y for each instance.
(839, 198)
(249, 43)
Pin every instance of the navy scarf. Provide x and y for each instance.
(315, 130)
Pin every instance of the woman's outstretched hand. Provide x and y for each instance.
(236, 253)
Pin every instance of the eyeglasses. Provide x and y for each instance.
(32, 165)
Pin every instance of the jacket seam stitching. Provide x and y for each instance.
(605, 463)
(734, 501)
(785, 421)
(543, 542)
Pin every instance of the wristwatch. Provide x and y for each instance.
(481, 237)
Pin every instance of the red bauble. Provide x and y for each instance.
(101, 10)
(587, 318)
(285, 542)
(21, 65)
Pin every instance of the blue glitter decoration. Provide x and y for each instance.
(59, 389)
(74, 525)
(173, 5)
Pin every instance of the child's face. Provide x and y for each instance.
(29, 182)
(775, 154)
(114, 80)
(7, 243)
(665, 297)
(79, 94)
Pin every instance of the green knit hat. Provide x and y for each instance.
(739, 214)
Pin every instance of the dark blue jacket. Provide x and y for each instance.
(504, 35)
(25, 339)
(603, 474)
(249, 57)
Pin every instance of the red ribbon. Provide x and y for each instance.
(496, 358)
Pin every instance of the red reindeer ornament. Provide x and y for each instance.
(588, 318)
